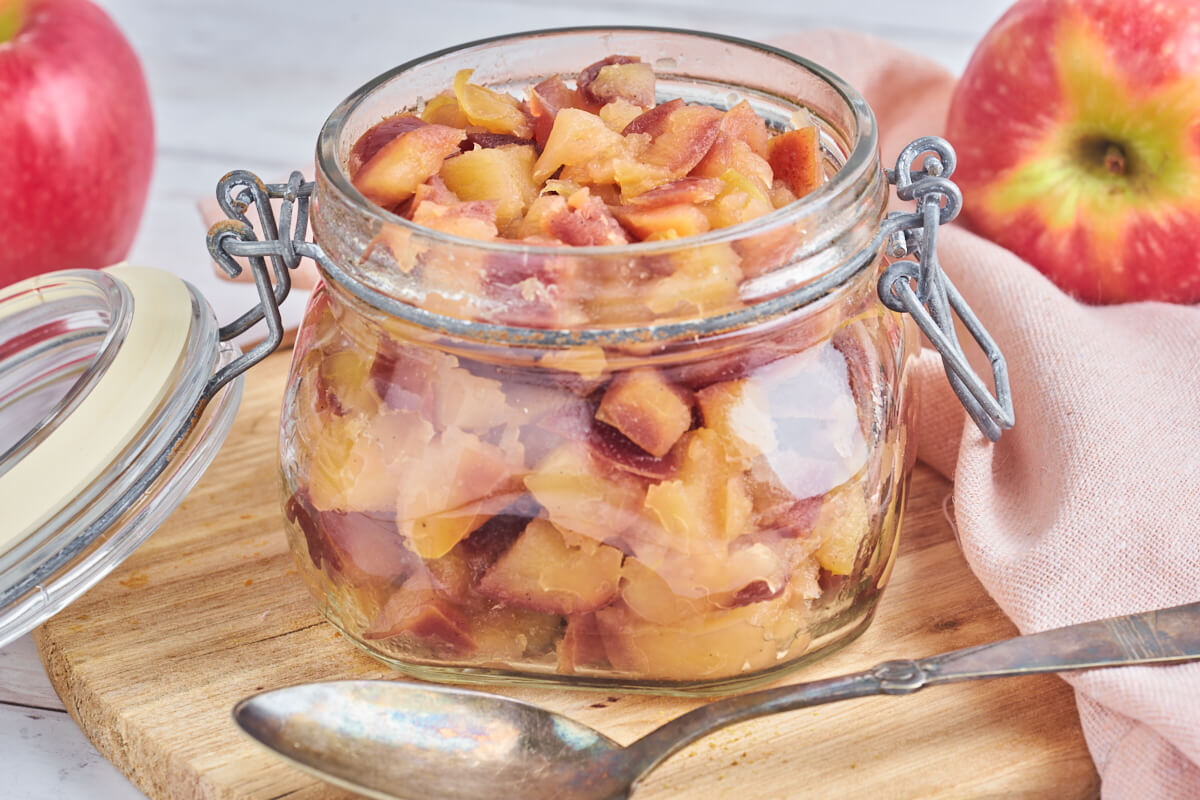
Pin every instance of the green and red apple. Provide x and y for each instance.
(1077, 125)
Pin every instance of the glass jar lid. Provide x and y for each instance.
(106, 423)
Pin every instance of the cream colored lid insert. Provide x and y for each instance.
(105, 422)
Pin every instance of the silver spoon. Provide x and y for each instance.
(391, 739)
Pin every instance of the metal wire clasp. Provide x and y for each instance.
(234, 237)
(920, 288)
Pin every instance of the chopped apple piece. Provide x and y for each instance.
(378, 135)
(738, 125)
(503, 634)
(545, 101)
(619, 113)
(582, 644)
(405, 162)
(705, 280)
(353, 547)
(617, 450)
(580, 219)
(708, 502)
(618, 77)
(473, 220)
(696, 191)
(795, 158)
(495, 111)
(742, 124)
(680, 139)
(664, 222)
(442, 494)
(721, 643)
(651, 597)
(344, 379)
(499, 174)
(581, 496)
(647, 408)
(417, 610)
(580, 139)
(356, 461)
(844, 522)
(742, 199)
(653, 121)
(468, 402)
(435, 191)
(740, 413)
(445, 110)
(553, 572)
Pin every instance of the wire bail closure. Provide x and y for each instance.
(921, 289)
(914, 286)
(235, 237)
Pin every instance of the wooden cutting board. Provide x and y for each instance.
(210, 609)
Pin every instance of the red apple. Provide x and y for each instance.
(1077, 125)
(78, 138)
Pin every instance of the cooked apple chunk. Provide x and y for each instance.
(419, 611)
(618, 77)
(499, 174)
(356, 461)
(643, 405)
(679, 140)
(553, 572)
(494, 111)
(740, 414)
(441, 495)
(715, 644)
(404, 163)
(582, 644)
(546, 99)
(664, 222)
(445, 110)
(379, 135)
(741, 131)
(582, 496)
(708, 502)
(580, 139)
(795, 158)
(844, 522)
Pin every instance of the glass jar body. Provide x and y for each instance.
(464, 514)
(659, 478)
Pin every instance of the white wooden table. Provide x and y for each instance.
(247, 84)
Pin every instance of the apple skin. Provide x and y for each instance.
(78, 140)
(1077, 125)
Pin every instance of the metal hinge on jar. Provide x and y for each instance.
(921, 289)
(916, 287)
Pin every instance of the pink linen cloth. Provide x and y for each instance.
(1090, 506)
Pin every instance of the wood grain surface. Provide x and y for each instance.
(210, 609)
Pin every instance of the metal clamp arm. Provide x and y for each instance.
(234, 237)
(921, 289)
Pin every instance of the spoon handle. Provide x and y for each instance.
(1155, 637)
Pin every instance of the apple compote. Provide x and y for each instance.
(592, 442)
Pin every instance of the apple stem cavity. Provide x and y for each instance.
(1106, 156)
(12, 18)
(1114, 159)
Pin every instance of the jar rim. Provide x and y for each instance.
(860, 158)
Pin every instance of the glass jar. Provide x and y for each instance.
(674, 466)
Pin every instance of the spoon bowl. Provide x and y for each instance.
(395, 740)
(387, 739)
